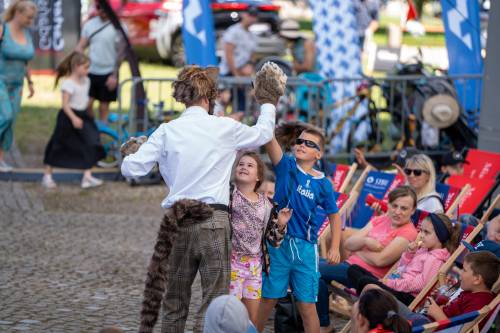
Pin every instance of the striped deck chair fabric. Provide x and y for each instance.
(481, 164)
(467, 322)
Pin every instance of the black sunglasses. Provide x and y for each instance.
(416, 172)
(308, 143)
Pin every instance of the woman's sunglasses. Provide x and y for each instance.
(416, 172)
(308, 143)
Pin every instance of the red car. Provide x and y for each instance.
(154, 26)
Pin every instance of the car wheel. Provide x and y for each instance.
(177, 57)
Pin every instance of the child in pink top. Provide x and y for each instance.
(250, 212)
(438, 238)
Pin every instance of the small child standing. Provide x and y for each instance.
(438, 238)
(250, 212)
(75, 142)
(295, 263)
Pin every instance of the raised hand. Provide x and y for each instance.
(284, 216)
(269, 84)
(132, 145)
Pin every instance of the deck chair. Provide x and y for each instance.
(480, 192)
(468, 235)
(467, 322)
(451, 197)
(379, 184)
(341, 176)
(481, 164)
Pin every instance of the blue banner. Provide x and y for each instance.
(463, 33)
(198, 33)
(377, 183)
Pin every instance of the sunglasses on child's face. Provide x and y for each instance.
(416, 172)
(308, 143)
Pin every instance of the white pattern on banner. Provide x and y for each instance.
(339, 56)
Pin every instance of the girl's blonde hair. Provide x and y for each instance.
(69, 63)
(423, 162)
(18, 5)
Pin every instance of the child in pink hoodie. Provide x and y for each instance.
(437, 239)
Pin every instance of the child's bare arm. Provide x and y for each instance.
(335, 231)
(274, 151)
(75, 120)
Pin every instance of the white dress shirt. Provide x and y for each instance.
(196, 153)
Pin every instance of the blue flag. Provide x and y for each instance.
(462, 30)
(198, 33)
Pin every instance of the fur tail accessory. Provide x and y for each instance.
(269, 83)
(182, 213)
(286, 133)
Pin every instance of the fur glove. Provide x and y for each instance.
(132, 145)
(269, 84)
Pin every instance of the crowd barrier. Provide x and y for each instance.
(380, 114)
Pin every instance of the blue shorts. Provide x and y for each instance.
(294, 263)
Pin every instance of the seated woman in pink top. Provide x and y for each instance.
(438, 238)
(376, 247)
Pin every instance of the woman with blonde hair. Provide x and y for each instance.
(16, 49)
(421, 175)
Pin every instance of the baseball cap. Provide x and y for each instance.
(405, 154)
(453, 158)
(252, 10)
(226, 314)
(485, 245)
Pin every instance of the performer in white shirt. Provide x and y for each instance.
(195, 154)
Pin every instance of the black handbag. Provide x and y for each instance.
(287, 317)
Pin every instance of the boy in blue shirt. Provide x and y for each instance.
(302, 189)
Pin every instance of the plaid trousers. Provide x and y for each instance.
(204, 246)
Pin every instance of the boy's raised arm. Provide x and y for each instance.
(274, 151)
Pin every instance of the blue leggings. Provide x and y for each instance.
(10, 105)
(328, 274)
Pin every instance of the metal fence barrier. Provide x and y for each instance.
(390, 108)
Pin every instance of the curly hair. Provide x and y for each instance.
(194, 83)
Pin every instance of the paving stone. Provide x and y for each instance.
(68, 271)
(29, 321)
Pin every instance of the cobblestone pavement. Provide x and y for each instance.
(64, 269)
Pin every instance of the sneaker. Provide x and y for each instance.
(48, 182)
(4, 167)
(91, 182)
(107, 164)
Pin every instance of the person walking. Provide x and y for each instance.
(106, 53)
(195, 154)
(75, 142)
(16, 50)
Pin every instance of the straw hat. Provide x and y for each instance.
(290, 29)
(441, 111)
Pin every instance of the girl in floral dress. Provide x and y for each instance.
(250, 212)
